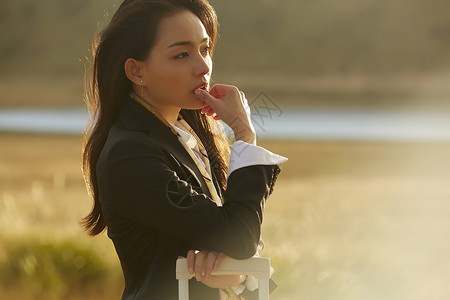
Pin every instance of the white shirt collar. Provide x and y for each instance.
(186, 136)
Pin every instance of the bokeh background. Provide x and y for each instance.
(354, 93)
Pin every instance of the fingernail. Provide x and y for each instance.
(197, 276)
(191, 270)
(197, 92)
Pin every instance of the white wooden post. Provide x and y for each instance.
(183, 289)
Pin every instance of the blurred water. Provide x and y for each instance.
(69, 121)
(292, 124)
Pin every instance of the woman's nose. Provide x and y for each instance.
(203, 64)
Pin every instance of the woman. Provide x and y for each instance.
(154, 156)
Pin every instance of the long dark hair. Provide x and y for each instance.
(131, 34)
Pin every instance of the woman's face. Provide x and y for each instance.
(178, 63)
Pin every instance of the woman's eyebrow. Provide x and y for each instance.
(187, 43)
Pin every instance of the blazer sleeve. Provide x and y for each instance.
(136, 182)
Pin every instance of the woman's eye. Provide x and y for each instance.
(184, 54)
(179, 56)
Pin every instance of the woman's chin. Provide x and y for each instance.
(196, 104)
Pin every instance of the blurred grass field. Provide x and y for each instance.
(347, 220)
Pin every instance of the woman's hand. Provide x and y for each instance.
(230, 105)
(203, 263)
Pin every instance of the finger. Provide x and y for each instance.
(219, 260)
(199, 265)
(205, 108)
(217, 95)
(210, 112)
(205, 96)
(218, 91)
(211, 259)
(205, 105)
(191, 261)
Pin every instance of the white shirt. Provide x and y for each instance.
(190, 141)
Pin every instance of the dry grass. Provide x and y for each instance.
(347, 220)
(361, 221)
(39, 91)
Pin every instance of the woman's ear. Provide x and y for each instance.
(134, 71)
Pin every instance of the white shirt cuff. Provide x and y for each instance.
(251, 283)
(240, 288)
(244, 154)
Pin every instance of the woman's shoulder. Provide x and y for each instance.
(122, 143)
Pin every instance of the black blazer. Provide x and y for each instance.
(157, 206)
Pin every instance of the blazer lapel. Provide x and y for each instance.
(135, 117)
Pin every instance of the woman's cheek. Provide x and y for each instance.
(178, 82)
